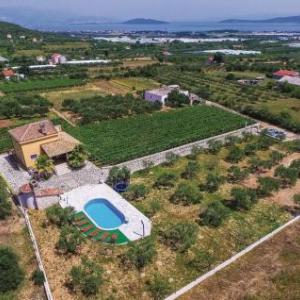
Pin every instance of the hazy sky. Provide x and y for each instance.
(166, 9)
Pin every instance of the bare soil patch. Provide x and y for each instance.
(261, 274)
(13, 234)
(6, 123)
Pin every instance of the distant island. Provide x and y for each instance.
(294, 19)
(141, 21)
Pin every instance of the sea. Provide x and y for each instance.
(176, 27)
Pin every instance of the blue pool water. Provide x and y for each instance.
(104, 214)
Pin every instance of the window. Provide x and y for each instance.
(33, 157)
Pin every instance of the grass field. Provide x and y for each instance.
(124, 139)
(292, 106)
(85, 91)
(137, 84)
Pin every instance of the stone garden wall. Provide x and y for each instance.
(159, 158)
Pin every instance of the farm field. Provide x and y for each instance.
(136, 63)
(85, 91)
(292, 106)
(269, 272)
(177, 263)
(136, 84)
(119, 86)
(120, 140)
(231, 94)
(37, 85)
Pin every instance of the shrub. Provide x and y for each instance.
(171, 159)
(69, 240)
(177, 99)
(201, 261)
(276, 157)
(288, 175)
(191, 170)
(195, 152)
(297, 198)
(140, 253)
(243, 198)
(267, 185)
(212, 183)
(294, 146)
(214, 215)
(214, 147)
(136, 191)
(5, 203)
(44, 166)
(180, 237)
(159, 287)
(38, 277)
(86, 278)
(11, 275)
(186, 194)
(231, 140)
(250, 149)
(60, 216)
(264, 142)
(236, 174)
(165, 180)
(76, 159)
(235, 154)
(154, 207)
(118, 175)
(230, 76)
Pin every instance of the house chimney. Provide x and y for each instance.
(43, 128)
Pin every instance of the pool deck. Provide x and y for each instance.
(133, 229)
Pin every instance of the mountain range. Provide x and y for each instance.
(141, 21)
(293, 19)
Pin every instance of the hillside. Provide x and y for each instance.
(141, 21)
(293, 19)
(6, 27)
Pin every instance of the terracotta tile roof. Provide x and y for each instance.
(33, 131)
(25, 189)
(286, 73)
(65, 144)
(8, 73)
(48, 192)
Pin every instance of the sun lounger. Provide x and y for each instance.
(104, 236)
(113, 238)
(86, 229)
(94, 233)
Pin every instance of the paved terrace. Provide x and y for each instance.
(16, 176)
(137, 225)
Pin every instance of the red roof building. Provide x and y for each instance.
(8, 73)
(281, 73)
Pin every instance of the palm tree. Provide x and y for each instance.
(77, 158)
(44, 166)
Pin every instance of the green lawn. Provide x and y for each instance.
(120, 140)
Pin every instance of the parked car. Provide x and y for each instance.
(275, 133)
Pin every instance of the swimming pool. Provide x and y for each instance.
(104, 214)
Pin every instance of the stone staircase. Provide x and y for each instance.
(62, 169)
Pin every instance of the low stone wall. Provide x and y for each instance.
(159, 158)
